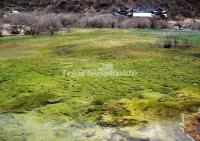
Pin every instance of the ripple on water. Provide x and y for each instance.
(16, 129)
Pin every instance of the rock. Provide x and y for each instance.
(89, 134)
(192, 125)
(54, 100)
(8, 30)
(171, 132)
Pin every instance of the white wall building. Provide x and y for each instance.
(142, 14)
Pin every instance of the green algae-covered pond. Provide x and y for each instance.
(41, 99)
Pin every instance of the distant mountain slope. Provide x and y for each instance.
(76, 5)
(186, 8)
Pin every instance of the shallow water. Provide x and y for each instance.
(13, 128)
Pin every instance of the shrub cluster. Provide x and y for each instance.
(68, 20)
(1, 14)
(98, 21)
(136, 23)
(159, 23)
(1, 29)
(195, 26)
(35, 24)
(144, 23)
(174, 39)
(48, 24)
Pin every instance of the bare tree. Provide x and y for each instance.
(28, 21)
(49, 24)
(1, 27)
(195, 26)
(68, 20)
(1, 14)
(35, 24)
(98, 21)
(136, 23)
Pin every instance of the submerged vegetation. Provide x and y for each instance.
(32, 84)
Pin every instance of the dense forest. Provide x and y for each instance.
(186, 8)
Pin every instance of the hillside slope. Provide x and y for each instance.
(187, 8)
